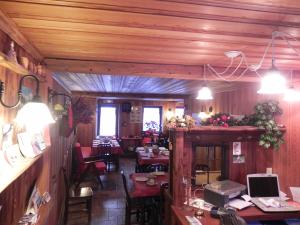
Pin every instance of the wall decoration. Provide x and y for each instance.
(25, 145)
(26, 94)
(136, 115)
(238, 159)
(236, 148)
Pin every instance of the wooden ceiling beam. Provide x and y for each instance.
(149, 96)
(11, 29)
(214, 10)
(138, 69)
(139, 20)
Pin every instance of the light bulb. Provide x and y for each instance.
(273, 83)
(204, 94)
(34, 116)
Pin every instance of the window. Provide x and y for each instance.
(107, 123)
(179, 112)
(152, 118)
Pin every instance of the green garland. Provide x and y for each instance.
(264, 119)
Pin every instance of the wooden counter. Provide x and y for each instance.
(249, 214)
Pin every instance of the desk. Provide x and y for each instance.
(249, 214)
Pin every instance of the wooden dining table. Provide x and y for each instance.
(145, 158)
(115, 146)
(140, 189)
(95, 150)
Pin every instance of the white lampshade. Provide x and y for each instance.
(34, 115)
(273, 83)
(204, 94)
(291, 95)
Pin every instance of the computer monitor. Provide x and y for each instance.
(262, 185)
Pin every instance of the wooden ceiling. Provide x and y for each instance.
(95, 83)
(170, 39)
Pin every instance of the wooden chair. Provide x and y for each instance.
(105, 152)
(88, 167)
(75, 197)
(134, 206)
(163, 187)
(156, 167)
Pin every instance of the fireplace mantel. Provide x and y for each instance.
(183, 140)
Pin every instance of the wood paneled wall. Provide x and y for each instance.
(87, 132)
(45, 172)
(285, 161)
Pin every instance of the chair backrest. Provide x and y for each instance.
(157, 167)
(79, 159)
(125, 186)
(104, 148)
(232, 219)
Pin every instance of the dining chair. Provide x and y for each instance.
(81, 196)
(163, 188)
(135, 206)
(156, 167)
(232, 219)
(87, 167)
(105, 152)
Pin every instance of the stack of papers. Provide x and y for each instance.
(239, 204)
(295, 193)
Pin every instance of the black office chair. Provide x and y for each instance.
(232, 219)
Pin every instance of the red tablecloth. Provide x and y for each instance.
(141, 189)
(115, 147)
(145, 159)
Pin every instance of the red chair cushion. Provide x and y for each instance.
(101, 166)
(86, 152)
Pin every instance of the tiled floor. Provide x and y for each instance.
(108, 203)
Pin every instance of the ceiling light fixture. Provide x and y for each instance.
(272, 80)
(204, 93)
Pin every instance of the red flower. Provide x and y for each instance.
(224, 118)
(218, 119)
(211, 120)
(225, 125)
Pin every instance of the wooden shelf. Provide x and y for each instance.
(15, 172)
(10, 64)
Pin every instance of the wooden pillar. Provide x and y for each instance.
(181, 166)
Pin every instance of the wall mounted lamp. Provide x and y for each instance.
(34, 114)
(58, 108)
